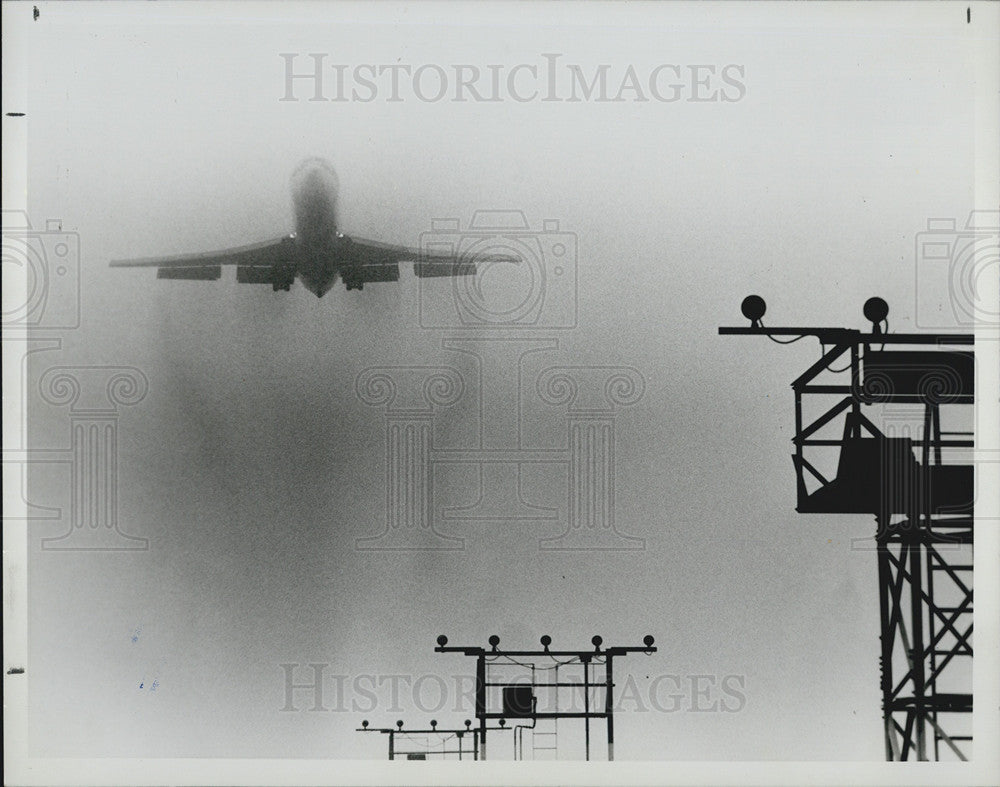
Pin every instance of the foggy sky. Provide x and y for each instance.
(252, 466)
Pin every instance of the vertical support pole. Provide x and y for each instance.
(932, 658)
(887, 635)
(918, 657)
(586, 705)
(800, 484)
(856, 383)
(932, 432)
(609, 707)
(923, 492)
(481, 701)
(798, 420)
(918, 533)
(936, 431)
(392, 746)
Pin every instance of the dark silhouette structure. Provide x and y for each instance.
(519, 700)
(429, 750)
(915, 476)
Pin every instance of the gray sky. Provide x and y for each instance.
(252, 466)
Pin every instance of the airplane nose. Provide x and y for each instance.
(316, 170)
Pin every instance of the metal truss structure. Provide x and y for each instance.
(437, 742)
(519, 700)
(897, 463)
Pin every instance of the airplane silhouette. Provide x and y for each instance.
(317, 253)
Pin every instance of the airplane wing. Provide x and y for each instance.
(269, 262)
(375, 261)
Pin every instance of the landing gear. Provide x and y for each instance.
(284, 277)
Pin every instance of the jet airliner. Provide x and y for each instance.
(317, 253)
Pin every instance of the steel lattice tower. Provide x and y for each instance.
(904, 475)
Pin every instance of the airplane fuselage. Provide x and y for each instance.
(317, 241)
(317, 253)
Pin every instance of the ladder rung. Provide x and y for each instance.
(955, 652)
(953, 567)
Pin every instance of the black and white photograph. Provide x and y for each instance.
(501, 393)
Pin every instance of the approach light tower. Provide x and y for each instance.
(431, 749)
(922, 504)
(519, 700)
